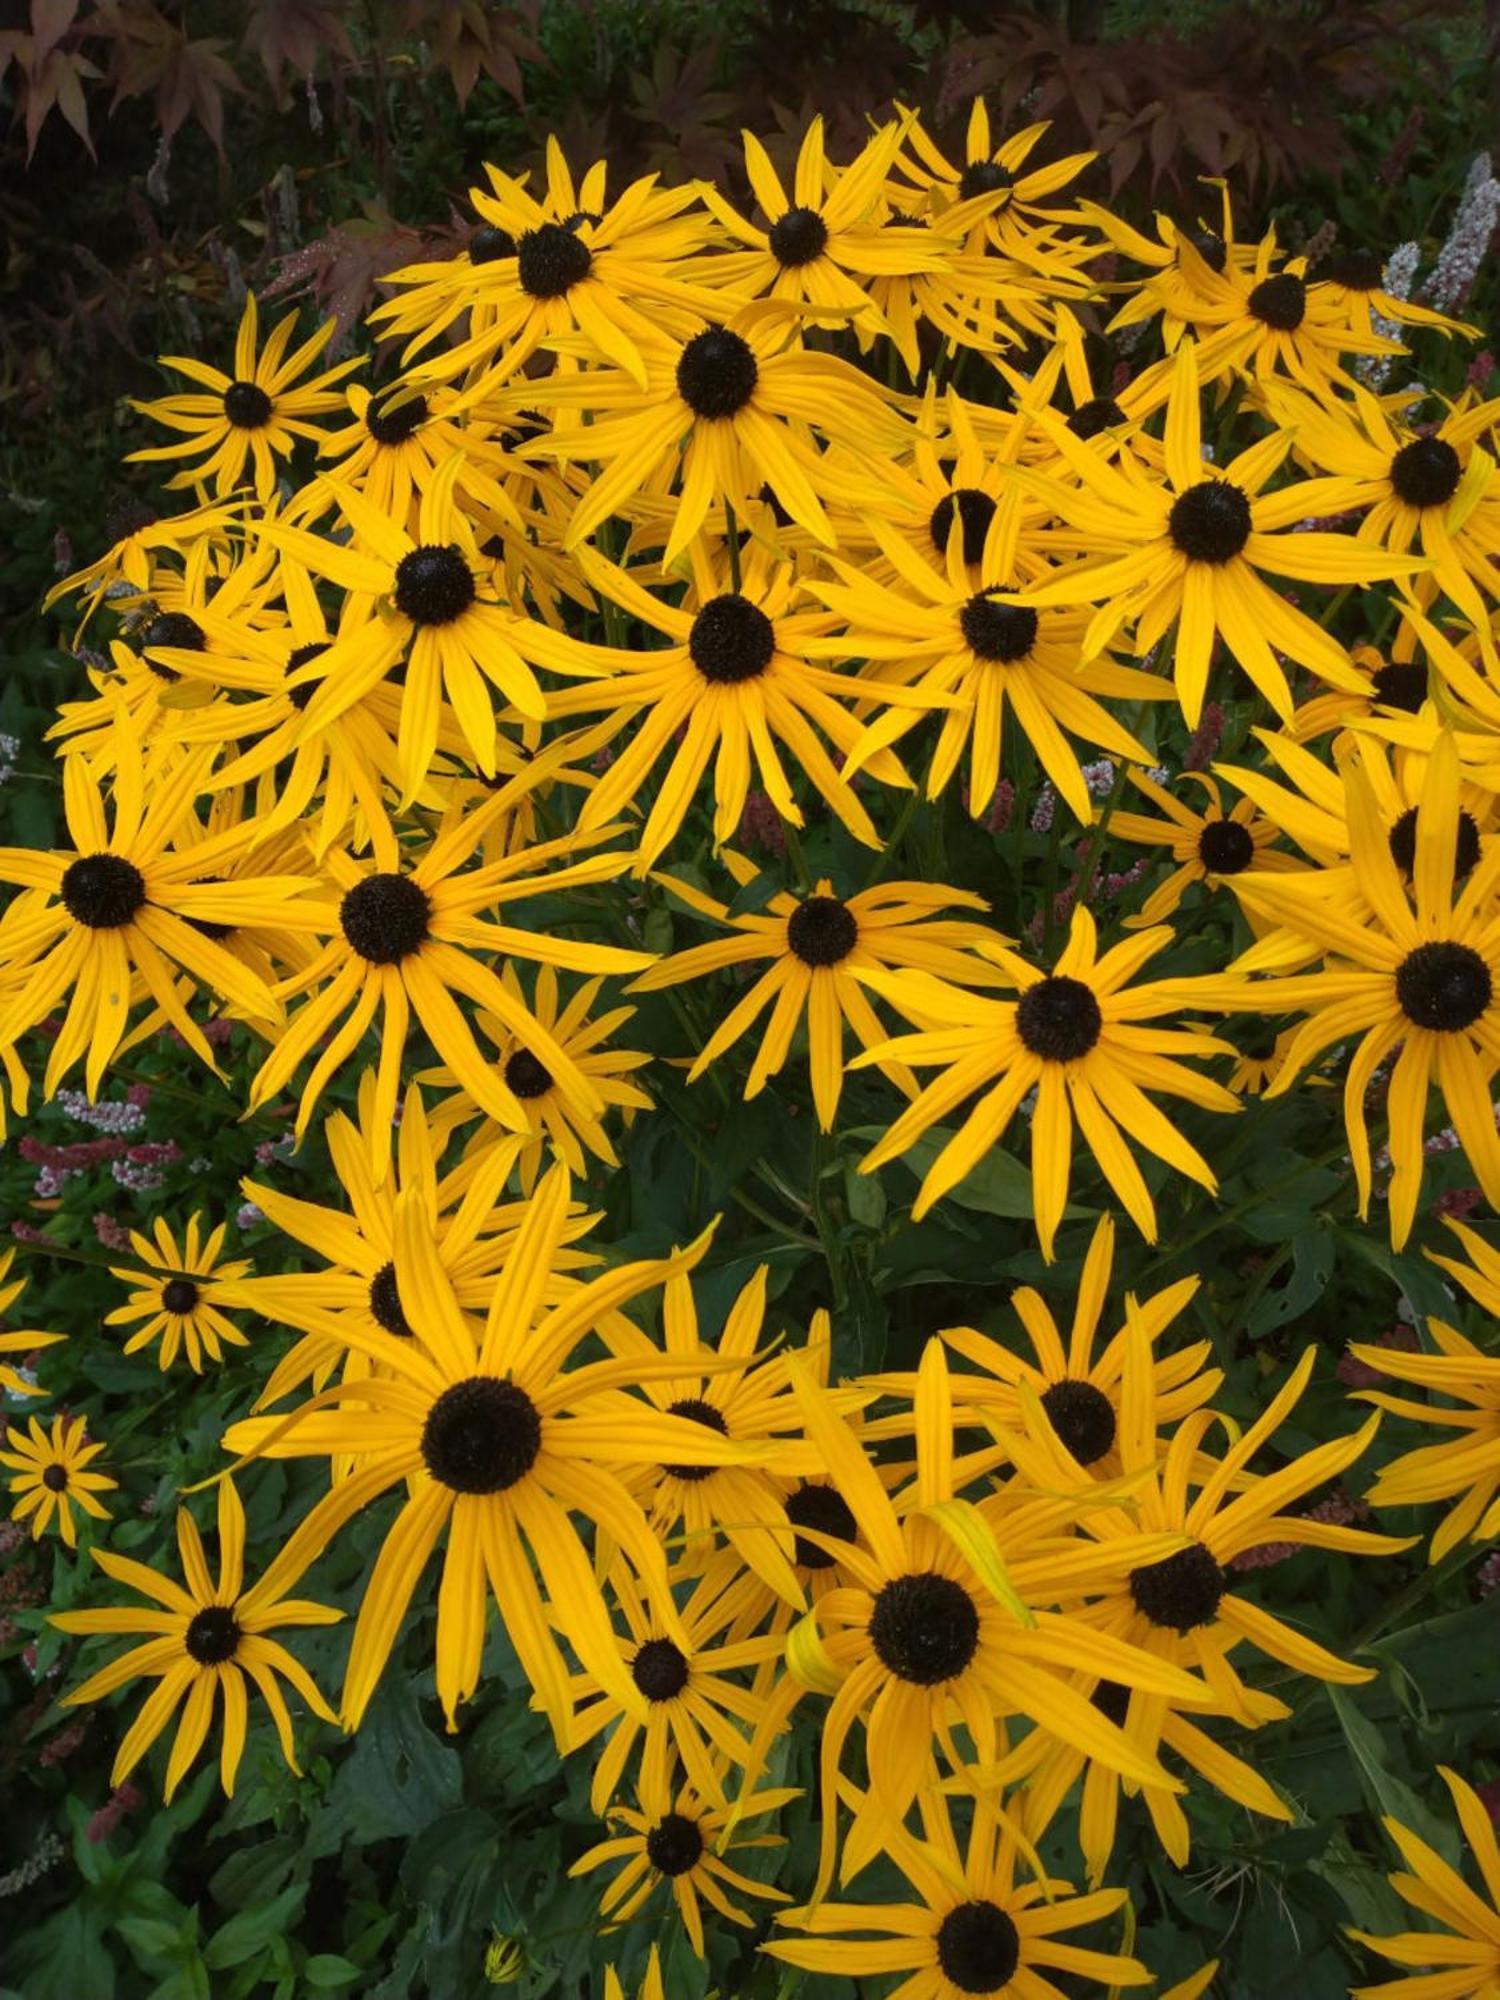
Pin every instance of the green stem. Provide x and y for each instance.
(797, 858)
(1095, 851)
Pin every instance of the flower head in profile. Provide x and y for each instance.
(180, 1295)
(203, 1643)
(254, 416)
(51, 1473)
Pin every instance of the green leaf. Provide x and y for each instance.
(1387, 1793)
(149, 1938)
(999, 1185)
(253, 1929)
(326, 1970)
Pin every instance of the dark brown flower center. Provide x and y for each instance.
(1210, 522)
(1279, 302)
(1225, 846)
(984, 177)
(488, 244)
(393, 420)
(551, 260)
(525, 1076)
(1180, 1592)
(1099, 413)
(433, 585)
(180, 1295)
(978, 1948)
(660, 1670)
(1426, 472)
(697, 1411)
(1059, 1018)
(731, 639)
(102, 891)
(1083, 1417)
(212, 1636)
(1401, 684)
(1444, 987)
(1355, 270)
(1002, 633)
(717, 373)
(247, 406)
(385, 1303)
(825, 1510)
(798, 237)
(924, 1628)
(822, 930)
(385, 918)
(975, 510)
(674, 1846)
(55, 1479)
(1404, 843)
(482, 1435)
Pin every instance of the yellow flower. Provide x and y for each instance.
(1206, 845)
(557, 1125)
(257, 414)
(129, 906)
(675, 1837)
(1194, 548)
(1083, 1037)
(996, 197)
(1463, 1953)
(1416, 980)
(821, 945)
(1465, 1466)
(975, 1925)
(208, 1642)
(737, 680)
(180, 1297)
(499, 1442)
(49, 1474)
(23, 1339)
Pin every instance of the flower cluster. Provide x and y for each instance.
(424, 736)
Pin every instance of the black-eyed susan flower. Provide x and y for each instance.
(207, 1643)
(255, 415)
(138, 537)
(406, 940)
(675, 1839)
(1464, 1465)
(426, 599)
(955, 645)
(1205, 845)
(723, 413)
(1462, 1954)
(180, 1296)
(700, 1711)
(470, 1233)
(824, 244)
(976, 1923)
(1078, 1390)
(558, 1127)
(949, 1619)
(737, 682)
(1416, 982)
(1426, 488)
(128, 909)
(51, 1473)
(541, 266)
(19, 1340)
(820, 946)
(1185, 265)
(1193, 549)
(391, 449)
(1183, 1607)
(501, 1437)
(1269, 322)
(1085, 1037)
(740, 1391)
(999, 199)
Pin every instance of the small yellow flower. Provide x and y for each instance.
(179, 1297)
(49, 1476)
